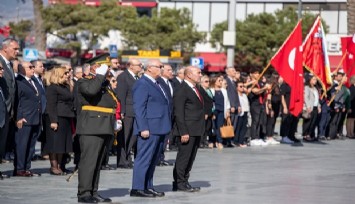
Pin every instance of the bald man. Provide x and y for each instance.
(189, 127)
(126, 139)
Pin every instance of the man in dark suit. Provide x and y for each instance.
(166, 83)
(189, 125)
(78, 74)
(152, 124)
(233, 98)
(126, 139)
(3, 113)
(28, 117)
(179, 78)
(38, 80)
(95, 127)
(9, 50)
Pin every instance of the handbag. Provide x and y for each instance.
(227, 130)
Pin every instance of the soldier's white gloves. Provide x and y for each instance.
(118, 125)
(102, 70)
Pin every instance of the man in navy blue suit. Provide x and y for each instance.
(153, 123)
(28, 114)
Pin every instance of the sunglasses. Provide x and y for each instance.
(158, 66)
(206, 81)
(66, 73)
(31, 67)
(1, 68)
(113, 80)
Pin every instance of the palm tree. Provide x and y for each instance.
(351, 16)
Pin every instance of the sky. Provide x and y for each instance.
(13, 10)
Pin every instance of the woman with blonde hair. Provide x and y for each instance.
(221, 106)
(60, 112)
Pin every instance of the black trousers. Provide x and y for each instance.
(241, 129)
(109, 145)
(335, 118)
(257, 114)
(184, 159)
(93, 149)
(289, 126)
(309, 125)
(341, 123)
(3, 136)
(208, 131)
(126, 141)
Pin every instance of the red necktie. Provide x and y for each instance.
(198, 94)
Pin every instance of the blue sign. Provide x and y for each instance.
(30, 54)
(113, 51)
(197, 62)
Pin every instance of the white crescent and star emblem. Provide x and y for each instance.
(291, 59)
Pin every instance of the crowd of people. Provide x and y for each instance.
(141, 111)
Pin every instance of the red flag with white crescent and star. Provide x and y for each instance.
(288, 63)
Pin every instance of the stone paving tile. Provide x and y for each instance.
(313, 173)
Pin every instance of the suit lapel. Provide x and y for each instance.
(27, 83)
(192, 92)
(155, 86)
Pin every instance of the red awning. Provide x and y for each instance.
(214, 62)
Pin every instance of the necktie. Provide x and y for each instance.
(157, 83)
(198, 94)
(39, 79)
(136, 77)
(33, 84)
(170, 87)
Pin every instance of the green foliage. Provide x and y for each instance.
(66, 21)
(169, 29)
(21, 29)
(260, 36)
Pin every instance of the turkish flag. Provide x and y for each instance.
(351, 45)
(349, 61)
(288, 63)
(5, 31)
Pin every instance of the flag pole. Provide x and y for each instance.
(340, 63)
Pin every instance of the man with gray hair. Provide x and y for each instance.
(86, 69)
(9, 50)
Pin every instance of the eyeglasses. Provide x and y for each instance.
(69, 70)
(141, 65)
(113, 80)
(66, 73)
(31, 67)
(157, 66)
(206, 81)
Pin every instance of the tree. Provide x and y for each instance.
(21, 29)
(70, 21)
(168, 29)
(260, 36)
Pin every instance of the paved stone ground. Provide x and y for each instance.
(312, 173)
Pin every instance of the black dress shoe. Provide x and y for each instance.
(105, 167)
(156, 193)
(186, 188)
(22, 173)
(141, 193)
(87, 199)
(101, 199)
(164, 163)
(194, 188)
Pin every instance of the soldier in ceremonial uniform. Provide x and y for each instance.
(96, 126)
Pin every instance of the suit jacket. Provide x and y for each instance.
(166, 88)
(309, 98)
(28, 102)
(232, 93)
(59, 102)
(43, 93)
(125, 82)
(8, 85)
(188, 112)
(151, 108)
(2, 109)
(93, 91)
(176, 84)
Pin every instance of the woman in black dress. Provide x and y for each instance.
(60, 112)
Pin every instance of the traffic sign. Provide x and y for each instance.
(30, 54)
(197, 62)
(113, 51)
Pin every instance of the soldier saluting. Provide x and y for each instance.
(95, 126)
